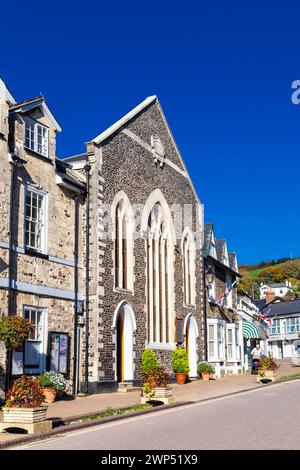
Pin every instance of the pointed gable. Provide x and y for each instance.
(233, 261)
(222, 253)
(146, 123)
(209, 248)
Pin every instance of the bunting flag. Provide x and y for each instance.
(264, 315)
(222, 299)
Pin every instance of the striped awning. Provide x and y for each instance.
(250, 331)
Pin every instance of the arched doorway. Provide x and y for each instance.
(124, 325)
(191, 335)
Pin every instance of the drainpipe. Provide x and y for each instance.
(204, 310)
(15, 162)
(75, 360)
(87, 275)
(10, 267)
(11, 254)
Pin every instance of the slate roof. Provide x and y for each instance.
(220, 249)
(288, 307)
(25, 102)
(65, 171)
(208, 231)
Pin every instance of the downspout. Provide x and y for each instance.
(10, 267)
(204, 311)
(11, 254)
(75, 359)
(15, 161)
(87, 275)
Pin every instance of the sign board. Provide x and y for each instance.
(59, 352)
(17, 366)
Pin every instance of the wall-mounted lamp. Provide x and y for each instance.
(209, 274)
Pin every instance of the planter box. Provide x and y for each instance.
(267, 375)
(163, 394)
(30, 419)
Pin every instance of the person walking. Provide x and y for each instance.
(256, 354)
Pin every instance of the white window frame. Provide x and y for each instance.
(219, 325)
(295, 325)
(237, 343)
(42, 340)
(44, 207)
(36, 130)
(211, 340)
(275, 328)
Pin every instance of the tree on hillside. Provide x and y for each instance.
(272, 275)
(249, 285)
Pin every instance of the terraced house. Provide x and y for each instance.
(145, 249)
(41, 207)
(224, 328)
(134, 280)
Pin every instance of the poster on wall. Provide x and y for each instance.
(59, 352)
(17, 367)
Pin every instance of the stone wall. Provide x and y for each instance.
(128, 166)
(55, 269)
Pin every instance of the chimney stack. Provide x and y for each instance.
(270, 294)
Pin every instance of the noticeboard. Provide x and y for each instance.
(59, 345)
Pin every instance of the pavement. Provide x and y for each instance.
(191, 392)
(256, 419)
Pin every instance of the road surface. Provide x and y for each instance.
(266, 418)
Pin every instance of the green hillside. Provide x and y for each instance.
(255, 273)
(270, 274)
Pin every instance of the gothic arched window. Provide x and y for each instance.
(159, 282)
(189, 275)
(123, 239)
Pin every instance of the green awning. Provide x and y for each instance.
(250, 331)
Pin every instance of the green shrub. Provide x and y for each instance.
(180, 361)
(149, 361)
(205, 367)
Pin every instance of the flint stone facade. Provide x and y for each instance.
(124, 161)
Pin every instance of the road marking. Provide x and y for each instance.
(69, 434)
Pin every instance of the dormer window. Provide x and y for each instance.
(36, 137)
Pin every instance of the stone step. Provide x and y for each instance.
(124, 387)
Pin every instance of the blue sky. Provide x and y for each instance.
(223, 74)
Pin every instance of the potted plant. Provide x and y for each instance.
(155, 386)
(180, 364)
(206, 370)
(266, 368)
(52, 383)
(14, 331)
(155, 381)
(23, 406)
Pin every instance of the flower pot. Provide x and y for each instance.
(181, 378)
(205, 376)
(49, 394)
